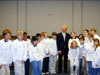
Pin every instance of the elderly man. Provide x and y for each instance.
(62, 44)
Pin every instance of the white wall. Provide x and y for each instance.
(48, 16)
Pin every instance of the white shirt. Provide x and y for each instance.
(35, 53)
(86, 39)
(53, 47)
(41, 49)
(5, 52)
(97, 37)
(46, 43)
(73, 56)
(96, 57)
(70, 41)
(64, 35)
(81, 50)
(89, 50)
(19, 50)
(28, 42)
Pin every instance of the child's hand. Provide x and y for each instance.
(51, 55)
(0, 66)
(22, 62)
(48, 52)
(96, 65)
(82, 53)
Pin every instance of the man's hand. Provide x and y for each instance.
(10, 65)
(59, 51)
(0, 66)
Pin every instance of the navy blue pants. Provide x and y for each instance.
(27, 67)
(89, 68)
(45, 65)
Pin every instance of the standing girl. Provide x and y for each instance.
(73, 56)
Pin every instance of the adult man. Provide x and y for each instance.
(62, 45)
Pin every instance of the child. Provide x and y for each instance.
(35, 57)
(53, 54)
(86, 34)
(74, 57)
(41, 47)
(46, 42)
(81, 54)
(73, 37)
(27, 63)
(5, 53)
(19, 51)
(96, 56)
(94, 33)
(89, 50)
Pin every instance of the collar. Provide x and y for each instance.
(20, 40)
(5, 40)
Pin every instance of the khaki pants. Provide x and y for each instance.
(5, 70)
(19, 68)
(52, 64)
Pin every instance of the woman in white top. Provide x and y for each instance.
(96, 56)
(5, 53)
(73, 37)
(19, 52)
(73, 56)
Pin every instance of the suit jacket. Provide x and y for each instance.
(63, 44)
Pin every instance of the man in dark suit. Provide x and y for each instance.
(62, 45)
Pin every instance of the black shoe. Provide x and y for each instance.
(66, 72)
(59, 72)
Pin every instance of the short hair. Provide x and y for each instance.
(71, 46)
(90, 35)
(82, 38)
(6, 31)
(86, 30)
(25, 33)
(20, 32)
(65, 25)
(93, 29)
(42, 34)
(54, 33)
(38, 35)
(34, 38)
(72, 32)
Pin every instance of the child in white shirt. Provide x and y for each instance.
(19, 52)
(53, 54)
(89, 51)
(5, 53)
(73, 56)
(81, 54)
(73, 37)
(96, 56)
(27, 63)
(35, 56)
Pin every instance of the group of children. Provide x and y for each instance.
(84, 53)
(42, 53)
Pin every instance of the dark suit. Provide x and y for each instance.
(63, 46)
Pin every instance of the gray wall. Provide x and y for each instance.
(38, 16)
